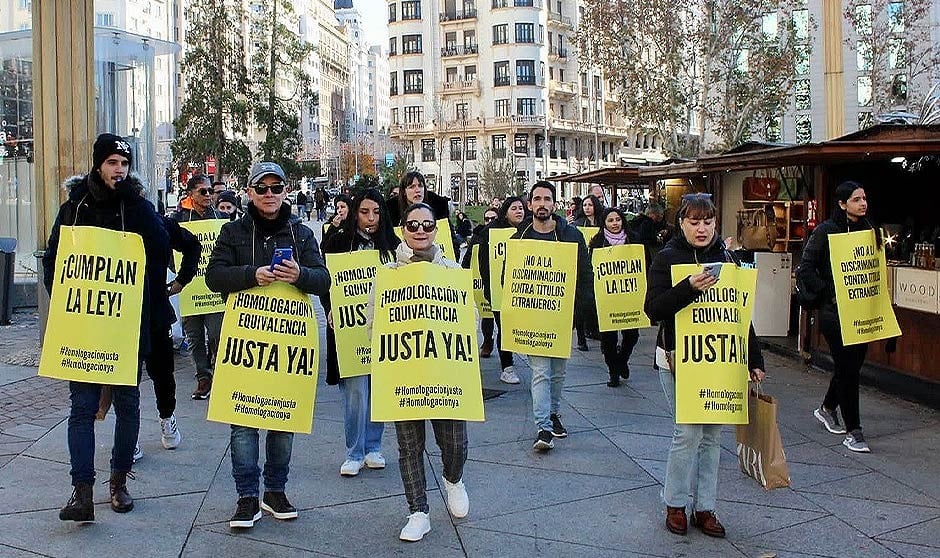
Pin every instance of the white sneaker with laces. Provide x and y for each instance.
(457, 500)
(350, 468)
(170, 433)
(508, 376)
(138, 453)
(419, 525)
(375, 460)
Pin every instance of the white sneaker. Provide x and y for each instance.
(457, 501)
(138, 453)
(419, 525)
(508, 376)
(170, 433)
(350, 468)
(375, 460)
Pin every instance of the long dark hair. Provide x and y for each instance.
(598, 209)
(501, 220)
(842, 194)
(384, 238)
(406, 181)
(598, 239)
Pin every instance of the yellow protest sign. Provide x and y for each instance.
(860, 274)
(266, 369)
(479, 296)
(196, 298)
(497, 247)
(620, 286)
(588, 233)
(711, 347)
(93, 332)
(352, 275)
(424, 362)
(538, 307)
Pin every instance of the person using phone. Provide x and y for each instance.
(240, 261)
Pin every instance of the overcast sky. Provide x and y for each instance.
(375, 20)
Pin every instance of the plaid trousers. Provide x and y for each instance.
(451, 436)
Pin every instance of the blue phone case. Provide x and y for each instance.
(280, 255)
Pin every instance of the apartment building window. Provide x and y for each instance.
(525, 72)
(500, 34)
(863, 87)
(499, 146)
(462, 111)
(801, 24)
(896, 17)
(393, 83)
(500, 4)
(414, 81)
(501, 73)
(802, 59)
(564, 148)
(525, 32)
(520, 144)
(552, 151)
(414, 115)
(896, 53)
(470, 40)
(802, 94)
(392, 12)
(450, 74)
(411, 9)
(539, 145)
(899, 88)
(525, 106)
(104, 20)
(864, 120)
(393, 116)
(502, 107)
(427, 150)
(523, 3)
(470, 145)
(863, 56)
(450, 40)
(411, 44)
(774, 130)
(455, 149)
(392, 46)
(804, 128)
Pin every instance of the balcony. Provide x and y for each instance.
(462, 86)
(557, 52)
(562, 89)
(500, 81)
(458, 15)
(527, 4)
(530, 80)
(517, 122)
(500, 4)
(559, 20)
(410, 128)
(465, 50)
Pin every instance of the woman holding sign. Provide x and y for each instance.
(591, 215)
(692, 466)
(614, 234)
(413, 189)
(366, 228)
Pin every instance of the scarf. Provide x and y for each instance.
(616, 239)
(269, 227)
(424, 255)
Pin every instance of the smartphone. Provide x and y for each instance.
(713, 269)
(280, 256)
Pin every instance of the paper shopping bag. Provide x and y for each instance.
(760, 450)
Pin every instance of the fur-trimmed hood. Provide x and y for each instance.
(77, 186)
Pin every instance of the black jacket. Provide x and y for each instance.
(815, 268)
(439, 205)
(129, 211)
(244, 246)
(663, 300)
(187, 244)
(584, 290)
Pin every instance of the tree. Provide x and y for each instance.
(893, 51)
(214, 116)
(401, 164)
(365, 182)
(279, 56)
(729, 64)
(351, 165)
(497, 175)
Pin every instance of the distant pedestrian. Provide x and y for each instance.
(302, 204)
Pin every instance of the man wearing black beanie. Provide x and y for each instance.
(109, 197)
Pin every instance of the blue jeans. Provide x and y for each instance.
(245, 469)
(81, 430)
(362, 435)
(548, 380)
(692, 467)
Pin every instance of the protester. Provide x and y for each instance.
(418, 233)
(600, 195)
(108, 197)
(241, 261)
(227, 203)
(341, 207)
(367, 227)
(476, 239)
(648, 229)
(618, 360)
(218, 187)
(464, 227)
(692, 465)
(413, 189)
(202, 326)
(574, 211)
(815, 271)
(591, 213)
(496, 203)
(548, 373)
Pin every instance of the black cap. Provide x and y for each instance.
(110, 144)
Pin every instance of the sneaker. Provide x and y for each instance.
(246, 513)
(419, 525)
(457, 501)
(350, 468)
(508, 376)
(558, 429)
(855, 441)
(829, 420)
(170, 433)
(374, 460)
(203, 387)
(545, 441)
(276, 504)
(138, 453)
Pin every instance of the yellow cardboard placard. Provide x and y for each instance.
(860, 273)
(620, 286)
(497, 248)
(538, 306)
(444, 239)
(712, 348)
(196, 298)
(588, 233)
(479, 296)
(352, 276)
(424, 356)
(266, 369)
(93, 332)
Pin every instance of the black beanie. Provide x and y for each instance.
(107, 145)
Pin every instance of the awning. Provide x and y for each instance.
(625, 176)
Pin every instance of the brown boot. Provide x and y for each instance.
(81, 506)
(121, 500)
(676, 521)
(707, 522)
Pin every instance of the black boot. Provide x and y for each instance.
(614, 380)
(121, 501)
(625, 371)
(81, 506)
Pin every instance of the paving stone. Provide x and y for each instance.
(483, 542)
(828, 536)
(875, 486)
(924, 534)
(873, 517)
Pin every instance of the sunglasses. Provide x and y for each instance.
(488, 219)
(261, 189)
(413, 226)
(204, 191)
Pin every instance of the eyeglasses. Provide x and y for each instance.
(413, 226)
(262, 189)
(696, 196)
